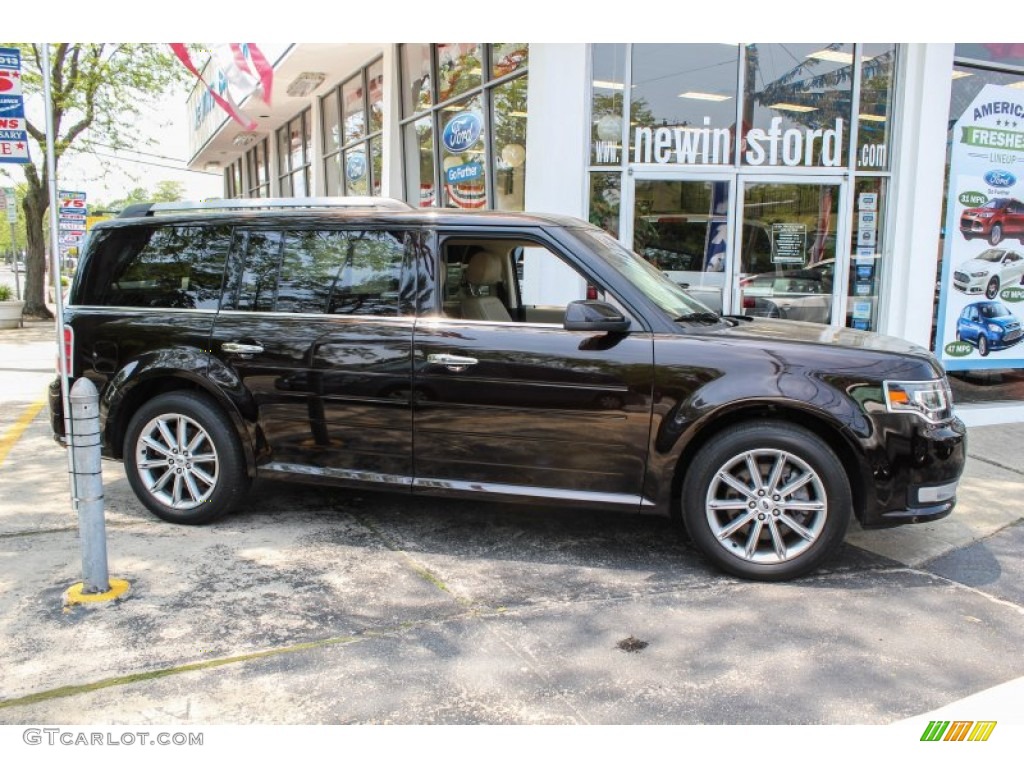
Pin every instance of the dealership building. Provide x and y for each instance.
(868, 185)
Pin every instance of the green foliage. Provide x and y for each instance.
(5, 292)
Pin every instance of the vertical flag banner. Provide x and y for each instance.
(241, 69)
(981, 307)
(13, 134)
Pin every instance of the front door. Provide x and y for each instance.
(682, 226)
(786, 261)
(509, 402)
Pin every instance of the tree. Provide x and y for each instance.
(97, 90)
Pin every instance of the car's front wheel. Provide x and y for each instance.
(996, 235)
(183, 459)
(982, 345)
(767, 501)
(992, 289)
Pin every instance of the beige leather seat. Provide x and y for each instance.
(479, 300)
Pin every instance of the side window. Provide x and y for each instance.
(337, 272)
(176, 267)
(509, 280)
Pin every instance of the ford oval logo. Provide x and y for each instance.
(1000, 179)
(462, 132)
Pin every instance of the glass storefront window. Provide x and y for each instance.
(294, 144)
(375, 95)
(257, 165)
(605, 200)
(608, 65)
(796, 102)
(478, 156)
(416, 83)
(508, 57)
(330, 111)
(459, 69)
(376, 164)
(683, 103)
(353, 114)
(874, 118)
(419, 163)
(463, 155)
(508, 121)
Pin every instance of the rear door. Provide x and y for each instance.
(315, 339)
(524, 408)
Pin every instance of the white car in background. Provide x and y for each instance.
(989, 271)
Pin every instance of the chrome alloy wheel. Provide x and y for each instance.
(766, 506)
(177, 461)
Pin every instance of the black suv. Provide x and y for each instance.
(500, 356)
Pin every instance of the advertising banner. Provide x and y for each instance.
(13, 134)
(981, 307)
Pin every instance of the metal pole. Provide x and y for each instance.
(85, 446)
(51, 170)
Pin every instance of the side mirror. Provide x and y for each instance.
(594, 316)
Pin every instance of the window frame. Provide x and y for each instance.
(337, 155)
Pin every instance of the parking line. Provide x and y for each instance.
(11, 436)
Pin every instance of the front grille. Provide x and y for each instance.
(961, 277)
(1012, 335)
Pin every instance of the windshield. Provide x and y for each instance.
(994, 310)
(999, 202)
(990, 255)
(654, 284)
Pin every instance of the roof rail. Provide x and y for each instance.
(264, 203)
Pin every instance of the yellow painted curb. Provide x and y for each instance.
(11, 436)
(73, 595)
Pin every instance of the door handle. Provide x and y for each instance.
(235, 348)
(454, 363)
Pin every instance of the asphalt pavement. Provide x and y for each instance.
(321, 605)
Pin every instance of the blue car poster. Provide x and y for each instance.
(981, 290)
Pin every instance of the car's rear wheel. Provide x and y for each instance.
(996, 235)
(767, 500)
(982, 345)
(183, 459)
(992, 289)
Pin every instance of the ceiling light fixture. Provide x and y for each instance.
(609, 85)
(704, 96)
(840, 57)
(306, 83)
(245, 139)
(792, 107)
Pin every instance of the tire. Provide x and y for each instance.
(982, 345)
(996, 235)
(992, 289)
(209, 477)
(775, 540)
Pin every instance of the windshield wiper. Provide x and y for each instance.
(699, 317)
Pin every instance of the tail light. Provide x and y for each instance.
(591, 293)
(748, 302)
(69, 351)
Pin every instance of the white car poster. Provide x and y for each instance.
(981, 290)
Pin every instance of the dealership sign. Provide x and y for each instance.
(13, 134)
(71, 218)
(688, 145)
(462, 132)
(981, 312)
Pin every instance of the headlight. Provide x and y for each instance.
(994, 328)
(979, 274)
(931, 400)
(984, 215)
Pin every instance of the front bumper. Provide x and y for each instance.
(916, 481)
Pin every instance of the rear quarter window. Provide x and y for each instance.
(166, 267)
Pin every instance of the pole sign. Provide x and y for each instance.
(11, 203)
(13, 134)
(72, 215)
(981, 307)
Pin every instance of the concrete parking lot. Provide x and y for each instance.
(320, 605)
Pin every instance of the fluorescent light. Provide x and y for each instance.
(609, 85)
(704, 96)
(305, 83)
(957, 74)
(792, 107)
(1019, 84)
(837, 56)
(872, 118)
